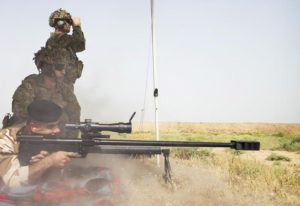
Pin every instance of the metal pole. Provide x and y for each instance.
(155, 92)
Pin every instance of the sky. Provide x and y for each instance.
(217, 61)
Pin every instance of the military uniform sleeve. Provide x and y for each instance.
(73, 108)
(78, 41)
(22, 97)
(11, 172)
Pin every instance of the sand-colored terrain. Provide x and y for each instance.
(198, 183)
(270, 128)
(194, 183)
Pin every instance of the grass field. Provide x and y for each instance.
(272, 174)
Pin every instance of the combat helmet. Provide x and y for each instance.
(47, 58)
(59, 14)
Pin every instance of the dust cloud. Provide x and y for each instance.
(193, 183)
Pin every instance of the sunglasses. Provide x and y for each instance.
(69, 21)
(61, 22)
(59, 67)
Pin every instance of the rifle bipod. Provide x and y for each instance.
(167, 166)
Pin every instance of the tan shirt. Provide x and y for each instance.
(11, 172)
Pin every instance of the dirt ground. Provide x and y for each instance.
(194, 183)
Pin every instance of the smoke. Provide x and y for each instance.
(102, 105)
(193, 184)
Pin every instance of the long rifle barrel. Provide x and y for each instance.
(234, 144)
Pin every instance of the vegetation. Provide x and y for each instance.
(277, 157)
(280, 180)
(277, 141)
(191, 153)
(292, 145)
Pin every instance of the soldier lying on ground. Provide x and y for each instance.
(62, 21)
(49, 179)
(43, 119)
(47, 85)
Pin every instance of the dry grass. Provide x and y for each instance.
(280, 182)
(210, 176)
(268, 128)
(220, 180)
(245, 175)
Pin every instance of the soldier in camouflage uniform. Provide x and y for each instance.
(61, 20)
(47, 85)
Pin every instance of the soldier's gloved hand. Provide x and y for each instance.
(61, 158)
(76, 21)
(38, 157)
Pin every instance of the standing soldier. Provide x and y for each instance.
(62, 21)
(47, 85)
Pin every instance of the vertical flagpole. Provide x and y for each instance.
(155, 93)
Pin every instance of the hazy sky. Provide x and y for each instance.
(217, 61)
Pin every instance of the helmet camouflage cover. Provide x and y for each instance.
(46, 57)
(59, 14)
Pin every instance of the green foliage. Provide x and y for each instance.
(277, 157)
(279, 134)
(295, 140)
(292, 144)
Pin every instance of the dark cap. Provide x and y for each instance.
(44, 111)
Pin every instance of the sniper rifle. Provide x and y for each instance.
(92, 141)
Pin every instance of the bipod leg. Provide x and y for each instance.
(167, 166)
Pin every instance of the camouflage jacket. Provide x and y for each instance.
(32, 88)
(11, 172)
(73, 43)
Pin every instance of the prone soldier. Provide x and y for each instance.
(48, 178)
(43, 117)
